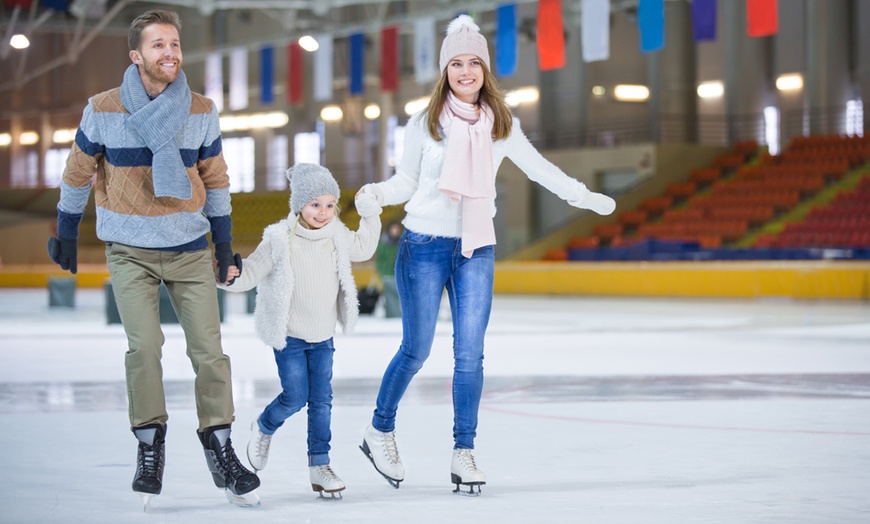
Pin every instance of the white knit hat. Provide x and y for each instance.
(463, 38)
(307, 182)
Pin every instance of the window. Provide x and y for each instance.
(239, 155)
(276, 169)
(855, 118)
(306, 148)
(55, 163)
(771, 129)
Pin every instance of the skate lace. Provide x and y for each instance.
(235, 468)
(391, 450)
(150, 461)
(326, 473)
(466, 459)
(263, 445)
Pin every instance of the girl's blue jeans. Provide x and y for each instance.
(305, 370)
(425, 266)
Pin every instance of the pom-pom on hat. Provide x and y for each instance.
(463, 38)
(307, 182)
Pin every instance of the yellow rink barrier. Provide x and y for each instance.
(732, 279)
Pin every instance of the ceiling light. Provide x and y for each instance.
(331, 114)
(5, 139)
(416, 105)
(309, 43)
(19, 42)
(631, 93)
(63, 136)
(713, 89)
(522, 95)
(372, 111)
(598, 90)
(790, 82)
(28, 138)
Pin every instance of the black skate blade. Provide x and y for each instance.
(471, 492)
(364, 447)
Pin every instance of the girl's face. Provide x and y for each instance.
(465, 77)
(318, 212)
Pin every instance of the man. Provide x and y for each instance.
(152, 150)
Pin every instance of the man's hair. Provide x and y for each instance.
(134, 36)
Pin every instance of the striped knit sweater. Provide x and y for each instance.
(128, 212)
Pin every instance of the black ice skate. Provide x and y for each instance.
(149, 461)
(226, 469)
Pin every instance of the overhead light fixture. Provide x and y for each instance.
(523, 95)
(712, 89)
(309, 43)
(631, 93)
(5, 139)
(19, 41)
(372, 111)
(790, 82)
(598, 90)
(254, 121)
(331, 114)
(28, 138)
(416, 105)
(63, 136)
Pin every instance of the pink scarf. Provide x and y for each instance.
(467, 175)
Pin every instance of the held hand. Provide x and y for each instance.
(367, 205)
(223, 253)
(371, 189)
(64, 252)
(601, 204)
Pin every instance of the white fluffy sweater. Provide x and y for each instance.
(416, 180)
(304, 280)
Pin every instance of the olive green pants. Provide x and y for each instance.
(189, 277)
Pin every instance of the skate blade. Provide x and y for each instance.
(248, 500)
(365, 449)
(146, 500)
(471, 492)
(334, 496)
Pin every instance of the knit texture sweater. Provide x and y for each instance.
(304, 280)
(431, 212)
(112, 157)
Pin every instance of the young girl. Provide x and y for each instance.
(302, 270)
(447, 177)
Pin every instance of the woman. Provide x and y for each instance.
(447, 177)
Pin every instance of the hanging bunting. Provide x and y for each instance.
(390, 59)
(651, 21)
(704, 20)
(57, 5)
(238, 78)
(356, 51)
(214, 79)
(761, 17)
(267, 77)
(595, 30)
(425, 69)
(551, 35)
(323, 68)
(295, 73)
(506, 40)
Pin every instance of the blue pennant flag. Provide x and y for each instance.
(651, 20)
(506, 40)
(357, 43)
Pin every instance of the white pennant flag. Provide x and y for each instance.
(214, 79)
(238, 78)
(323, 68)
(595, 29)
(425, 69)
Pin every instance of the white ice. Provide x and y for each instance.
(599, 410)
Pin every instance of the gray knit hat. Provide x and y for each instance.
(307, 182)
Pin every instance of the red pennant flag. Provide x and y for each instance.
(551, 35)
(295, 68)
(761, 17)
(390, 59)
(23, 4)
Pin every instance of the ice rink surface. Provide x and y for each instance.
(595, 410)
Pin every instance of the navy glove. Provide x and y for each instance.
(223, 253)
(64, 251)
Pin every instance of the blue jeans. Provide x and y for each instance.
(305, 370)
(425, 266)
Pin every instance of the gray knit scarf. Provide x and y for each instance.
(159, 123)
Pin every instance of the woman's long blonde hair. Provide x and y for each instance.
(490, 93)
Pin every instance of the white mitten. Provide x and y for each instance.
(601, 204)
(367, 205)
(373, 189)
